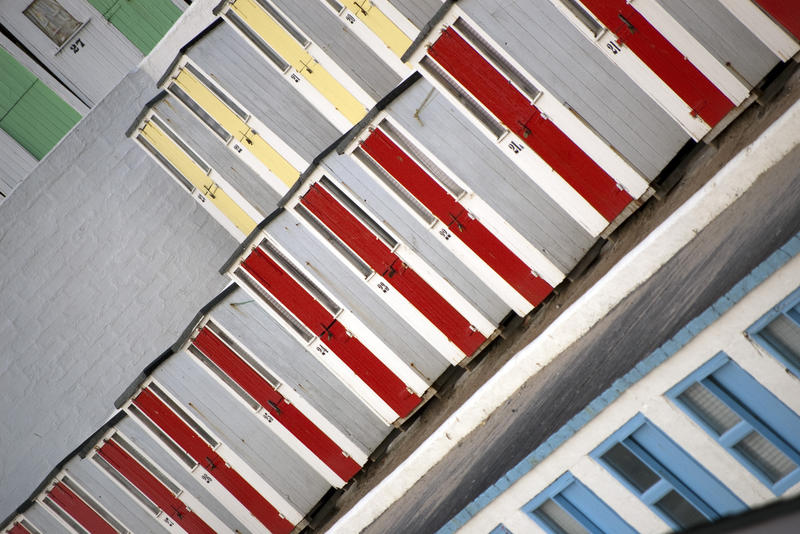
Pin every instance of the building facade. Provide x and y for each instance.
(356, 196)
(702, 428)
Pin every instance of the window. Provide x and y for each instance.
(467, 100)
(494, 57)
(745, 418)
(583, 16)
(664, 476)
(91, 502)
(52, 19)
(567, 507)
(779, 332)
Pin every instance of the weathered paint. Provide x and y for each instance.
(287, 414)
(198, 178)
(18, 529)
(381, 25)
(389, 266)
(31, 112)
(521, 116)
(308, 67)
(457, 219)
(787, 13)
(333, 335)
(636, 32)
(143, 22)
(237, 127)
(79, 510)
(210, 460)
(152, 488)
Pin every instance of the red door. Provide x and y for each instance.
(520, 116)
(152, 488)
(18, 529)
(333, 335)
(467, 229)
(287, 414)
(666, 61)
(786, 12)
(189, 441)
(383, 261)
(79, 510)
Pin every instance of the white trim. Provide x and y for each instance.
(283, 433)
(378, 348)
(624, 503)
(703, 448)
(393, 298)
(396, 301)
(781, 43)
(544, 176)
(693, 51)
(642, 75)
(355, 452)
(729, 184)
(351, 323)
(291, 395)
(321, 57)
(443, 286)
(393, 14)
(516, 243)
(493, 221)
(371, 40)
(335, 365)
(252, 122)
(228, 455)
(303, 86)
(594, 146)
(470, 259)
(260, 485)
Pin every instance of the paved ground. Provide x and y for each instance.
(717, 258)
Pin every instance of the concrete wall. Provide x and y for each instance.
(104, 262)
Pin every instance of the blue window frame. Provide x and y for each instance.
(667, 479)
(745, 418)
(569, 507)
(500, 529)
(778, 331)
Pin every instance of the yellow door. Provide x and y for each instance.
(289, 49)
(237, 127)
(381, 25)
(197, 177)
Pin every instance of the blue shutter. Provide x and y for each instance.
(569, 506)
(672, 483)
(761, 432)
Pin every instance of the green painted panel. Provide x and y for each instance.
(143, 22)
(39, 119)
(14, 81)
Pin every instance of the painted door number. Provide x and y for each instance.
(322, 350)
(76, 46)
(268, 417)
(295, 78)
(445, 234)
(206, 478)
(169, 521)
(515, 147)
(614, 47)
(383, 287)
(237, 148)
(350, 18)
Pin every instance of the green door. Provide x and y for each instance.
(143, 22)
(31, 112)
